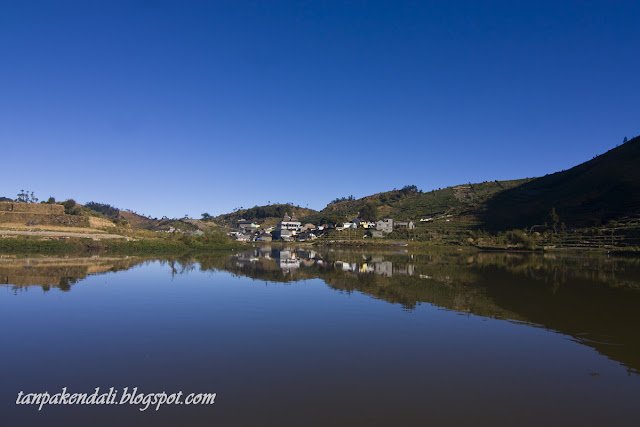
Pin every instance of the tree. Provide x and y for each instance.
(369, 212)
(555, 219)
(624, 140)
(342, 199)
(103, 208)
(206, 217)
(409, 189)
(25, 197)
(22, 196)
(70, 207)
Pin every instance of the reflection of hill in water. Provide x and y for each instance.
(57, 272)
(592, 298)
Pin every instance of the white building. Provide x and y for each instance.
(289, 223)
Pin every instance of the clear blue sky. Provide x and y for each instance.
(184, 107)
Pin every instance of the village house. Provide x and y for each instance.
(283, 234)
(289, 223)
(385, 225)
(404, 224)
(306, 236)
(264, 237)
(308, 227)
(245, 223)
(243, 237)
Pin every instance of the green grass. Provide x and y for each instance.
(170, 245)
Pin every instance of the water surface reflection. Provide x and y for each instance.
(350, 337)
(591, 297)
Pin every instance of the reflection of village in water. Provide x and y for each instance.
(592, 298)
(289, 259)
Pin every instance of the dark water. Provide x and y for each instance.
(300, 337)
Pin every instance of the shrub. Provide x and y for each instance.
(516, 237)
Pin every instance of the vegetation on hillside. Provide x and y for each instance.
(595, 204)
(606, 188)
(411, 203)
(107, 210)
(165, 224)
(261, 213)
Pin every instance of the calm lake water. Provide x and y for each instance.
(295, 337)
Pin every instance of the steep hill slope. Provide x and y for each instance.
(592, 193)
(410, 203)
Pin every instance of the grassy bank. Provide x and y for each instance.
(169, 245)
(511, 240)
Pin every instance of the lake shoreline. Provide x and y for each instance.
(182, 246)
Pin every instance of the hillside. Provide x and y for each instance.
(267, 215)
(592, 193)
(411, 203)
(604, 189)
(139, 221)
